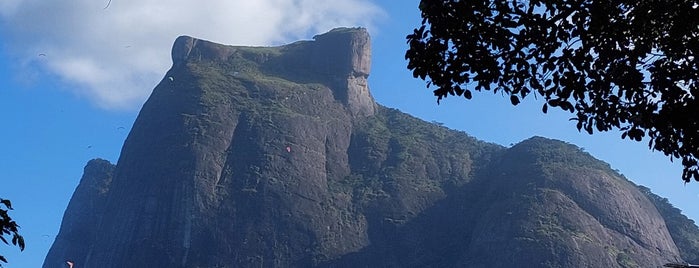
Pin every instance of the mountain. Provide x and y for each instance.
(279, 157)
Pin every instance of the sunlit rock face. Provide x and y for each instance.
(279, 157)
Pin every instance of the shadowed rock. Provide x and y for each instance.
(279, 157)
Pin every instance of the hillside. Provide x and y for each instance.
(279, 157)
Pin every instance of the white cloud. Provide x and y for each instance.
(115, 56)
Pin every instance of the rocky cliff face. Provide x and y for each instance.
(81, 220)
(339, 59)
(279, 157)
(556, 205)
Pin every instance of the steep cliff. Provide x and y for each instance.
(82, 217)
(279, 157)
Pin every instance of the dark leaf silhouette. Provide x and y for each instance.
(626, 65)
(10, 228)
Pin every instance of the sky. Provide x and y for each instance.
(74, 75)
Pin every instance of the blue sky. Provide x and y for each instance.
(74, 76)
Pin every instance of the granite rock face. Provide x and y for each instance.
(554, 204)
(340, 58)
(82, 217)
(279, 157)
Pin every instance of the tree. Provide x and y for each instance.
(616, 64)
(9, 228)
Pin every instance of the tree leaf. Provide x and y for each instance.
(605, 76)
(514, 99)
(7, 203)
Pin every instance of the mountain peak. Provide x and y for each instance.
(340, 59)
(344, 51)
(187, 47)
(266, 157)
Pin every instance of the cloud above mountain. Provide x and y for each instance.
(114, 53)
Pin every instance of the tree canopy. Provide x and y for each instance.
(622, 64)
(9, 227)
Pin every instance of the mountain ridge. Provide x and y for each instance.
(279, 156)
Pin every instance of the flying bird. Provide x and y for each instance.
(70, 264)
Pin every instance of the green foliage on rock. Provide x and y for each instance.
(254, 157)
(684, 231)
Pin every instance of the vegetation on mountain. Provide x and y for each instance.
(254, 157)
(684, 231)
